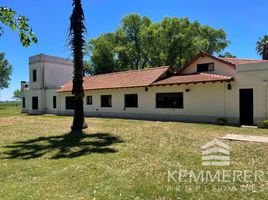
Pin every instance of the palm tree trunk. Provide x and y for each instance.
(77, 42)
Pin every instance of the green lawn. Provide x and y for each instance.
(116, 159)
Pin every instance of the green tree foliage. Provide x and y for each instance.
(129, 48)
(88, 69)
(102, 58)
(138, 43)
(5, 72)
(9, 18)
(227, 55)
(17, 94)
(261, 43)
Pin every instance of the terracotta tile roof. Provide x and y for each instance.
(193, 78)
(132, 78)
(241, 61)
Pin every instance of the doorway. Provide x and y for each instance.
(35, 103)
(246, 106)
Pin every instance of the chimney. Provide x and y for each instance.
(265, 52)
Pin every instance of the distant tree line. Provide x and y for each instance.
(139, 43)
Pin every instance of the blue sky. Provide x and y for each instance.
(243, 20)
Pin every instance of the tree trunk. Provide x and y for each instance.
(77, 29)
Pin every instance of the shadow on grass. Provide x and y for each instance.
(71, 145)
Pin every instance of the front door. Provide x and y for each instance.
(35, 103)
(246, 106)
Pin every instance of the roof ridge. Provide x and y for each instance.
(242, 59)
(219, 75)
(129, 71)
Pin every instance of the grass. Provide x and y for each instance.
(115, 159)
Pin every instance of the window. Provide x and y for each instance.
(54, 102)
(89, 100)
(34, 75)
(169, 100)
(69, 103)
(131, 100)
(205, 67)
(23, 102)
(35, 103)
(106, 100)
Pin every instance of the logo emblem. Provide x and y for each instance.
(215, 153)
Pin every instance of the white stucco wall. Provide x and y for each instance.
(28, 94)
(39, 67)
(52, 72)
(255, 76)
(57, 74)
(49, 101)
(204, 102)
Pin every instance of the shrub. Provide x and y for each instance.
(265, 123)
(221, 121)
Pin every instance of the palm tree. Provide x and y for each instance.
(261, 43)
(77, 42)
(17, 95)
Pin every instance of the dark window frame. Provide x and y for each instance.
(179, 97)
(133, 104)
(69, 103)
(103, 103)
(54, 102)
(89, 100)
(205, 65)
(35, 103)
(23, 102)
(34, 75)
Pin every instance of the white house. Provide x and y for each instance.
(205, 89)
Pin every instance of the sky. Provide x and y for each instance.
(244, 21)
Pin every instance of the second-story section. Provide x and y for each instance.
(205, 63)
(208, 64)
(49, 72)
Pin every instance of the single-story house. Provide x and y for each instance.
(204, 90)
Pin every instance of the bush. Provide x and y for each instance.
(221, 121)
(262, 124)
(265, 123)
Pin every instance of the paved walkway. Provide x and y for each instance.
(247, 138)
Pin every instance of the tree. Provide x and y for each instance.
(227, 55)
(129, 48)
(9, 18)
(138, 43)
(77, 28)
(215, 39)
(260, 44)
(174, 41)
(102, 54)
(5, 72)
(17, 94)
